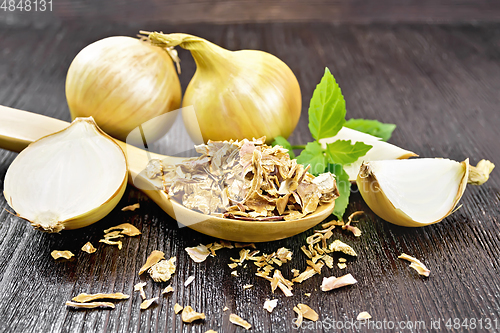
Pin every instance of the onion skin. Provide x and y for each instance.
(123, 82)
(379, 203)
(237, 94)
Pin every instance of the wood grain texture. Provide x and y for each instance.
(438, 83)
(251, 11)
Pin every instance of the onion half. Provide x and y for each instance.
(414, 192)
(67, 180)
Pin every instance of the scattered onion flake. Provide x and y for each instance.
(189, 281)
(247, 286)
(363, 316)
(235, 319)
(211, 331)
(269, 305)
(282, 283)
(300, 316)
(153, 258)
(178, 308)
(225, 309)
(342, 265)
(125, 229)
(83, 298)
(308, 273)
(188, 315)
(355, 230)
(307, 312)
(131, 207)
(140, 288)
(148, 302)
(89, 248)
(416, 264)
(91, 305)
(56, 254)
(110, 242)
(113, 235)
(332, 282)
(167, 289)
(163, 270)
(339, 246)
(212, 247)
(198, 253)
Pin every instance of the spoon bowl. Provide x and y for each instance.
(19, 128)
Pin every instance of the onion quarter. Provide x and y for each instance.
(415, 192)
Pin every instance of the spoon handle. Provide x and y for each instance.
(20, 128)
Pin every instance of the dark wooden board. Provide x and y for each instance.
(439, 83)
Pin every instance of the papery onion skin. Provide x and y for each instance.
(86, 218)
(237, 94)
(123, 82)
(379, 203)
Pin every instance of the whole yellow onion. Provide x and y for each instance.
(122, 82)
(237, 94)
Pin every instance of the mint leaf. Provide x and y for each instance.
(313, 155)
(372, 127)
(327, 108)
(281, 141)
(343, 152)
(344, 187)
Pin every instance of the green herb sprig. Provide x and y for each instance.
(327, 111)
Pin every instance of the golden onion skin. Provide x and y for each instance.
(237, 94)
(123, 82)
(379, 203)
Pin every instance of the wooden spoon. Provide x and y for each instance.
(19, 128)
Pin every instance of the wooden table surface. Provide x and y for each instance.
(439, 83)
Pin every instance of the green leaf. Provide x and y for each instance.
(327, 108)
(343, 152)
(344, 187)
(372, 127)
(281, 141)
(313, 155)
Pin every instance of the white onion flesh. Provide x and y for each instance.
(380, 150)
(413, 192)
(66, 175)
